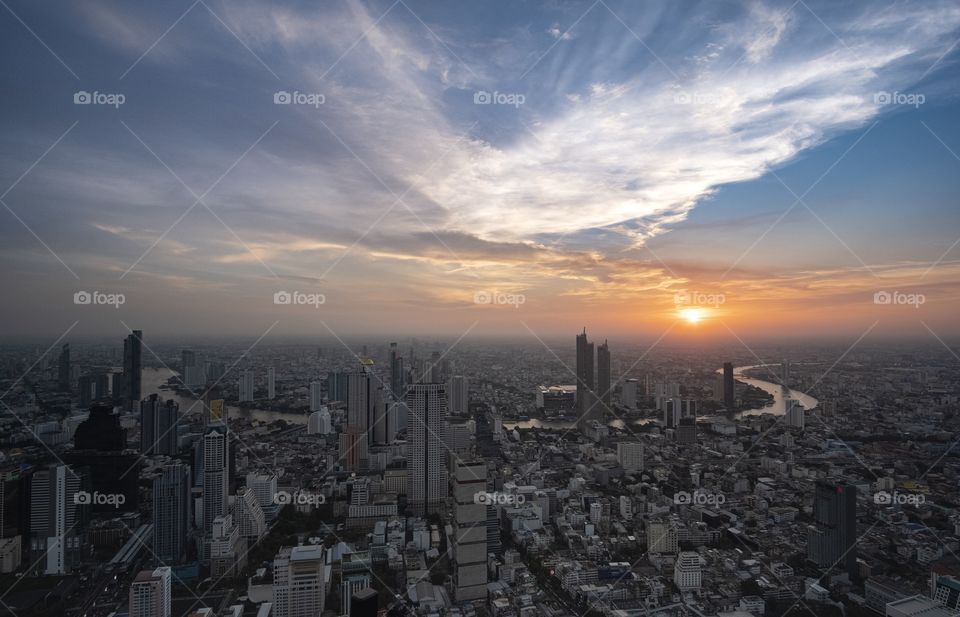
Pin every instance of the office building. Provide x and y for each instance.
(349, 585)
(158, 426)
(396, 373)
(795, 413)
(192, 374)
(248, 514)
(215, 475)
(319, 422)
(585, 406)
(470, 549)
(171, 513)
(150, 594)
(338, 384)
(628, 393)
(271, 383)
(729, 400)
(686, 571)
(426, 458)
(316, 396)
(458, 396)
(299, 585)
(630, 456)
(832, 538)
(245, 387)
(56, 519)
(132, 369)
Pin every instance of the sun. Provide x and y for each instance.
(693, 315)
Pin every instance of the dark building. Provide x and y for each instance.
(687, 431)
(63, 368)
(396, 373)
(728, 398)
(585, 399)
(832, 538)
(101, 389)
(85, 390)
(171, 513)
(338, 386)
(364, 603)
(603, 376)
(99, 445)
(132, 369)
(158, 426)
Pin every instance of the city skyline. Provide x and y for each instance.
(449, 171)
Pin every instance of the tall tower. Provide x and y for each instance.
(396, 373)
(458, 391)
(132, 369)
(158, 426)
(271, 383)
(470, 551)
(586, 402)
(55, 500)
(728, 398)
(833, 537)
(215, 475)
(63, 368)
(426, 463)
(171, 513)
(245, 387)
(603, 377)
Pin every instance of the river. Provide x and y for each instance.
(780, 394)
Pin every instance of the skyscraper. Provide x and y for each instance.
(728, 397)
(215, 475)
(132, 369)
(458, 393)
(171, 513)
(245, 388)
(150, 593)
(603, 377)
(426, 461)
(832, 538)
(316, 396)
(55, 518)
(628, 394)
(158, 426)
(396, 373)
(98, 447)
(585, 404)
(63, 368)
(271, 383)
(192, 373)
(470, 550)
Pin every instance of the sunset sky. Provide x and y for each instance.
(777, 164)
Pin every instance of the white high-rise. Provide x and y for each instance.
(299, 587)
(245, 388)
(686, 571)
(264, 486)
(458, 395)
(426, 459)
(319, 422)
(316, 396)
(150, 593)
(215, 476)
(54, 497)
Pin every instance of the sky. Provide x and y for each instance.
(714, 169)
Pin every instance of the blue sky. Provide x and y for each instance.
(633, 150)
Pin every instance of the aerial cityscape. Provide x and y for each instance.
(546, 308)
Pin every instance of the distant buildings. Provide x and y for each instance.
(316, 396)
(585, 382)
(628, 393)
(245, 387)
(150, 593)
(132, 370)
(158, 426)
(271, 383)
(63, 368)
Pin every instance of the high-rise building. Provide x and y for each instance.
(248, 514)
(150, 593)
(832, 538)
(316, 396)
(271, 383)
(338, 383)
(458, 395)
(662, 537)
(584, 376)
(396, 373)
(299, 586)
(426, 460)
(319, 422)
(686, 571)
(215, 475)
(604, 388)
(245, 387)
(729, 400)
(365, 406)
(192, 374)
(171, 513)
(56, 518)
(795, 413)
(158, 426)
(470, 550)
(63, 368)
(630, 456)
(687, 430)
(628, 394)
(132, 369)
